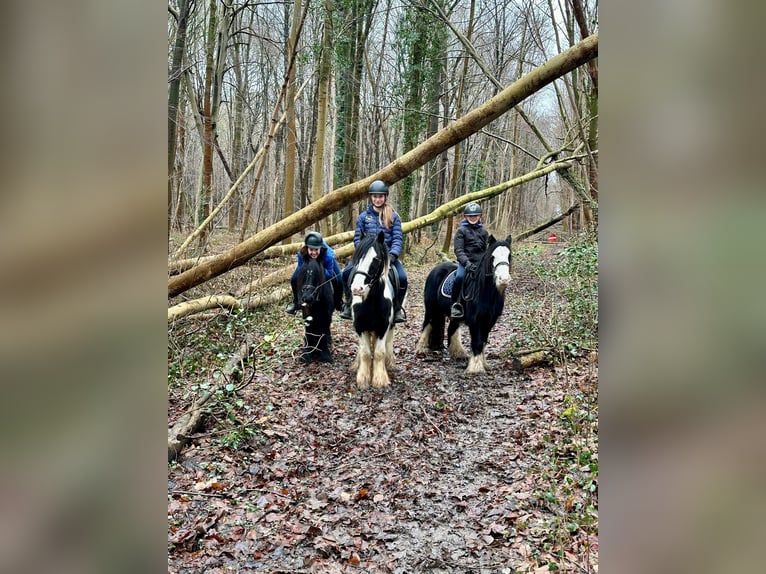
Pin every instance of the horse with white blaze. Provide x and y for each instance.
(372, 308)
(483, 299)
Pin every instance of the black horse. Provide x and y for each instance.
(315, 297)
(372, 308)
(484, 298)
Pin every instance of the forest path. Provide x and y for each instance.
(441, 472)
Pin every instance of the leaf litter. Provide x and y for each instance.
(442, 472)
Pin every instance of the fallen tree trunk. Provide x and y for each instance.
(192, 420)
(529, 359)
(202, 304)
(263, 300)
(545, 225)
(446, 138)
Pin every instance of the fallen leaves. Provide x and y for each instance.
(433, 472)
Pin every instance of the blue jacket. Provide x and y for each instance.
(368, 223)
(326, 254)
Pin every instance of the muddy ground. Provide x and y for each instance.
(297, 471)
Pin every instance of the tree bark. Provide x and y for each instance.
(201, 304)
(469, 124)
(290, 127)
(184, 8)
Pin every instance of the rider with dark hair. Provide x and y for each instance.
(316, 247)
(470, 243)
(379, 216)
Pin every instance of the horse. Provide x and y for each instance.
(485, 289)
(316, 302)
(372, 311)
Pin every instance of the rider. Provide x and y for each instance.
(470, 243)
(379, 216)
(314, 247)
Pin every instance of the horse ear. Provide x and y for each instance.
(381, 237)
(491, 241)
(509, 239)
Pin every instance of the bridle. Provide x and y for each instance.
(369, 276)
(314, 288)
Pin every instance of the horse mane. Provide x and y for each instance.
(484, 267)
(365, 243)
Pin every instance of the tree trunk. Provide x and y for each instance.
(269, 140)
(399, 168)
(283, 274)
(201, 304)
(206, 186)
(174, 85)
(290, 148)
(325, 76)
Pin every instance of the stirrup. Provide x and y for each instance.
(400, 316)
(456, 311)
(346, 312)
(290, 309)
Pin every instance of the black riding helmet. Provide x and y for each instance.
(314, 240)
(378, 186)
(472, 209)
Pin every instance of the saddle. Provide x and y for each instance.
(447, 283)
(470, 284)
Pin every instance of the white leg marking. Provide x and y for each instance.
(475, 366)
(364, 356)
(422, 347)
(456, 349)
(379, 373)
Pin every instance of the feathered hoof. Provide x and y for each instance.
(475, 366)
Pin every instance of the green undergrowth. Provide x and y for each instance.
(559, 311)
(198, 352)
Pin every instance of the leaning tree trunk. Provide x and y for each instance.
(454, 133)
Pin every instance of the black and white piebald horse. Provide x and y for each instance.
(484, 292)
(372, 309)
(315, 298)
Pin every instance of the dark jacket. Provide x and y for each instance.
(470, 242)
(369, 222)
(326, 257)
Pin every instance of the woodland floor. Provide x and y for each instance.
(297, 471)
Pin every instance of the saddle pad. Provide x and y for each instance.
(446, 287)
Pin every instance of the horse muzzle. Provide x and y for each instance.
(360, 291)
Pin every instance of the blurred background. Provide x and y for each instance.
(83, 253)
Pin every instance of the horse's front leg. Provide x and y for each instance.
(476, 363)
(363, 361)
(379, 372)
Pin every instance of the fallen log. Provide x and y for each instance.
(202, 304)
(527, 359)
(192, 420)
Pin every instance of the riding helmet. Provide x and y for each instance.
(314, 240)
(472, 209)
(378, 186)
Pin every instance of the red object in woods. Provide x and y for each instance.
(552, 237)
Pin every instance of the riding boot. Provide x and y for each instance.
(346, 311)
(456, 311)
(292, 307)
(399, 315)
